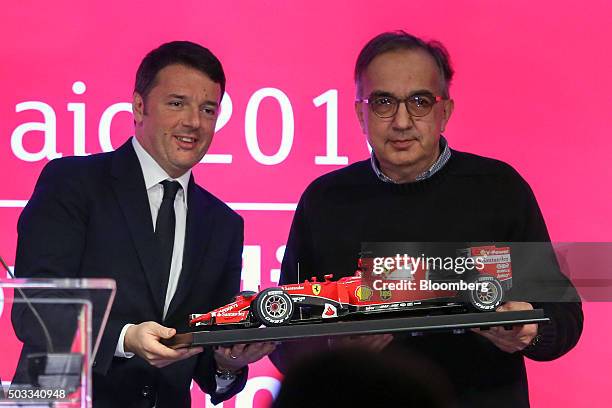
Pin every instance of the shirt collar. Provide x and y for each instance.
(439, 163)
(152, 171)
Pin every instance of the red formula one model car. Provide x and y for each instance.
(403, 289)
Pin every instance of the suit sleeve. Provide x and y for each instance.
(51, 238)
(229, 286)
(52, 232)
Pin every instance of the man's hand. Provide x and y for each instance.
(143, 340)
(373, 342)
(515, 339)
(238, 356)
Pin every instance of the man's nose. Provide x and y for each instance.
(402, 118)
(192, 118)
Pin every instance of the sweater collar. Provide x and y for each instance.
(442, 160)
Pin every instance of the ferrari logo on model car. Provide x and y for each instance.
(385, 294)
(316, 289)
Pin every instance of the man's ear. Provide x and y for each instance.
(449, 106)
(138, 107)
(359, 112)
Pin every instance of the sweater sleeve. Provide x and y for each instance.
(566, 317)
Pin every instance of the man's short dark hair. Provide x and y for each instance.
(401, 40)
(186, 53)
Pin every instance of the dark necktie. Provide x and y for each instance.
(164, 231)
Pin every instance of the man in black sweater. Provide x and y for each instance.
(415, 188)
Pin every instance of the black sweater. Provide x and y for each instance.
(471, 198)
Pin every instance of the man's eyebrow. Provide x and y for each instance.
(422, 92)
(379, 93)
(183, 97)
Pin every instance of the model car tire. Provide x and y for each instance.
(486, 300)
(272, 307)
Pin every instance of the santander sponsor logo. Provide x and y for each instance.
(227, 308)
(233, 314)
(330, 311)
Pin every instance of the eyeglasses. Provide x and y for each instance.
(386, 106)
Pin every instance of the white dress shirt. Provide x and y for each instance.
(153, 175)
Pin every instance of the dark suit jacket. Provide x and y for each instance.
(90, 217)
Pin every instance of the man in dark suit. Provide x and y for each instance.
(137, 216)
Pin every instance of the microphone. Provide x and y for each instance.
(32, 309)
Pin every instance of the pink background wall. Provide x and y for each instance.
(532, 87)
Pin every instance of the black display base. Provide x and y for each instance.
(413, 324)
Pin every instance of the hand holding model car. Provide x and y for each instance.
(515, 339)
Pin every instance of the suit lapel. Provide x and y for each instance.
(131, 193)
(199, 228)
